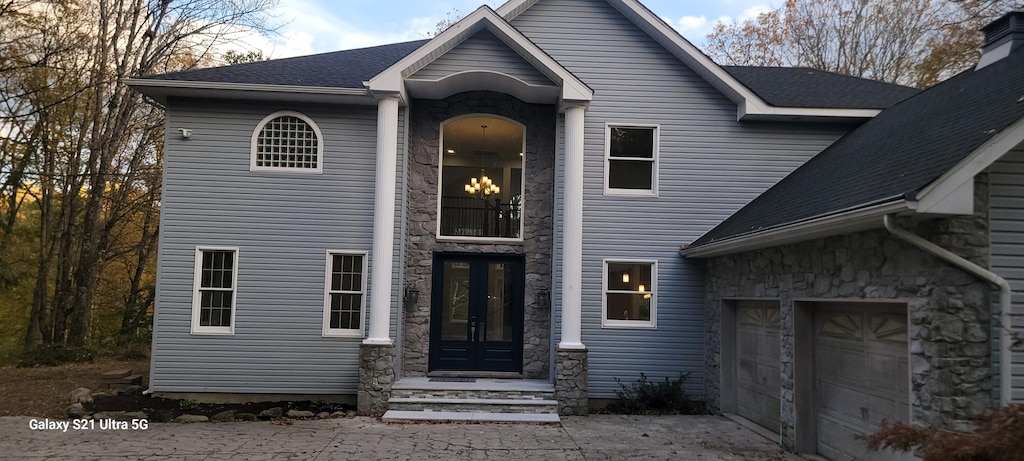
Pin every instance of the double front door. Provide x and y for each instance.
(476, 321)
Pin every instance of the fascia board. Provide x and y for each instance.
(391, 79)
(954, 179)
(832, 224)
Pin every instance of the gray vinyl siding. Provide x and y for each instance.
(282, 223)
(482, 51)
(1006, 221)
(710, 166)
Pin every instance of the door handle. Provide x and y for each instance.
(472, 328)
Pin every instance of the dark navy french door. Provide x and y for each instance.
(476, 317)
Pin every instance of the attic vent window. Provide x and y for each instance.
(287, 141)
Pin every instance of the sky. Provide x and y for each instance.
(318, 26)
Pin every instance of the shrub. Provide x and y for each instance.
(321, 405)
(998, 436)
(54, 354)
(188, 404)
(654, 397)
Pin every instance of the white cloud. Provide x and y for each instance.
(754, 11)
(692, 26)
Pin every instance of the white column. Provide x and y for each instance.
(384, 222)
(572, 232)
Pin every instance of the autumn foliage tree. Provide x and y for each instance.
(910, 42)
(80, 153)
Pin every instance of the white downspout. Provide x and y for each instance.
(1005, 339)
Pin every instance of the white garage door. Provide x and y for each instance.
(757, 363)
(862, 376)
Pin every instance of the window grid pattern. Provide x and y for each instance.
(216, 288)
(287, 142)
(346, 292)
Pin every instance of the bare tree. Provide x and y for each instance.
(911, 42)
(84, 149)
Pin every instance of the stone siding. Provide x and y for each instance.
(424, 146)
(949, 310)
(376, 376)
(571, 382)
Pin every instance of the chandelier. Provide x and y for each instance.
(483, 187)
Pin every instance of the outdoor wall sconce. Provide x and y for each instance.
(543, 299)
(410, 297)
(185, 133)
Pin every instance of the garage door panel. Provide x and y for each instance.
(861, 377)
(757, 363)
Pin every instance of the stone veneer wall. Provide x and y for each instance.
(376, 375)
(424, 146)
(949, 310)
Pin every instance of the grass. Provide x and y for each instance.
(43, 391)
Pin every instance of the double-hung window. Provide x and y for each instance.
(631, 164)
(344, 306)
(213, 296)
(630, 294)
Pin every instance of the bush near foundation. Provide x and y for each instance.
(645, 397)
(998, 437)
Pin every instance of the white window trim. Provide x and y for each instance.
(319, 145)
(630, 324)
(329, 332)
(198, 329)
(653, 192)
(440, 171)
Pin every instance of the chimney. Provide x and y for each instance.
(1002, 37)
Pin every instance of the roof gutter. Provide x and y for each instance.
(849, 220)
(1005, 338)
(186, 84)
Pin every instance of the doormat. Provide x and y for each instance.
(452, 380)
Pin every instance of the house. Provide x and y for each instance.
(884, 278)
(503, 201)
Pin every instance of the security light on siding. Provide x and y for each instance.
(185, 133)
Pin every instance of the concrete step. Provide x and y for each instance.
(471, 405)
(452, 416)
(483, 388)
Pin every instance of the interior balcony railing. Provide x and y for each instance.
(480, 217)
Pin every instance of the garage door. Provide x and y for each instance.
(757, 363)
(861, 376)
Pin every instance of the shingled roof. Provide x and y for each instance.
(778, 86)
(805, 87)
(339, 69)
(892, 156)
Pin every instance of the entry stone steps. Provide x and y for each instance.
(483, 399)
(474, 405)
(454, 416)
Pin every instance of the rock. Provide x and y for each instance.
(245, 417)
(338, 414)
(76, 410)
(191, 419)
(323, 415)
(120, 415)
(131, 389)
(224, 416)
(272, 413)
(81, 395)
(350, 414)
(295, 414)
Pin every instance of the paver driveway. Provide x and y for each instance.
(597, 437)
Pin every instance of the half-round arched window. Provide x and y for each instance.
(287, 141)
